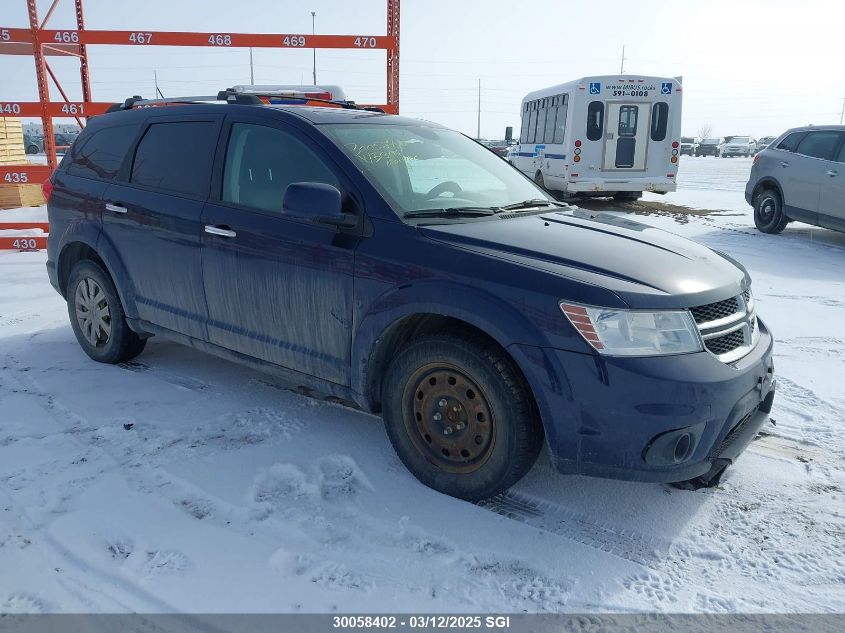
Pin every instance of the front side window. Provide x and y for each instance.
(790, 143)
(523, 133)
(660, 121)
(176, 157)
(595, 120)
(261, 162)
(421, 167)
(532, 122)
(819, 144)
(101, 154)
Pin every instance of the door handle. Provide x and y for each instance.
(115, 208)
(219, 230)
(832, 173)
(784, 163)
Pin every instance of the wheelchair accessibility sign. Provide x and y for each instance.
(595, 87)
(666, 88)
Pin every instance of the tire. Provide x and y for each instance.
(440, 382)
(768, 212)
(32, 149)
(109, 340)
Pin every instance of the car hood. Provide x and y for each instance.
(643, 266)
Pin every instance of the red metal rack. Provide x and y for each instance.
(42, 43)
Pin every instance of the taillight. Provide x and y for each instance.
(47, 189)
(675, 144)
(756, 158)
(577, 143)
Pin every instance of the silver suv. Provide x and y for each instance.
(800, 176)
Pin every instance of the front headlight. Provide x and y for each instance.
(615, 332)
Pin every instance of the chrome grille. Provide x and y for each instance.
(715, 311)
(728, 327)
(726, 343)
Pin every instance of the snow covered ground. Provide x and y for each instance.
(181, 482)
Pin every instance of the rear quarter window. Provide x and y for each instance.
(176, 157)
(790, 143)
(659, 121)
(100, 155)
(595, 120)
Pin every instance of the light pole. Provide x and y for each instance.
(314, 50)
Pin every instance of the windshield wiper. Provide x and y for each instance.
(529, 204)
(451, 212)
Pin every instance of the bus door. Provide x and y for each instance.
(626, 136)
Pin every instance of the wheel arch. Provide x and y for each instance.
(767, 183)
(99, 250)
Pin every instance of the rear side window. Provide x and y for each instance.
(541, 123)
(176, 157)
(595, 120)
(261, 162)
(790, 143)
(819, 144)
(659, 120)
(560, 125)
(551, 115)
(523, 134)
(101, 154)
(532, 122)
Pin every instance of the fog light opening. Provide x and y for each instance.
(683, 447)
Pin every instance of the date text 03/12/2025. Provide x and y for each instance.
(500, 622)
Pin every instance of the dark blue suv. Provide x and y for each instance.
(400, 265)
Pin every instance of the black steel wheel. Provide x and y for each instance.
(460, 416)
(768, 212)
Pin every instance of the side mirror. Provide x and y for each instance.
(318, 203)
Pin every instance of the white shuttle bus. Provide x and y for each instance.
(602, 136)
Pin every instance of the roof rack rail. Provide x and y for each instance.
(243, 96)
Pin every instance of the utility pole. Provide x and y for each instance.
(251, 72)
(314, 50)
(478, 135)
(155, 78)
(622, 67)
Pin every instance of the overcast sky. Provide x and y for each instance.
(748, 66)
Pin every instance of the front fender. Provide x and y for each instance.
(480, 309)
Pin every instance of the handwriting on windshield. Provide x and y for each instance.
(389, 152)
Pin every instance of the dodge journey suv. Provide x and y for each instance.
(400, 265)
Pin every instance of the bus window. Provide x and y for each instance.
(541, 122)
(523, 133)
(560, 125)
(532, 122)
(551, 115)
(659, 120)
(595, 120)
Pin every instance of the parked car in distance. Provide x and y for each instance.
(710, 147)
(800, 176)
(688, 145)
(499, 148)
(739, 146)
(764, 142)
(398, 264)
(33, 143)
(64, 140)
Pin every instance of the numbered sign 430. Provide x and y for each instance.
(23, 243)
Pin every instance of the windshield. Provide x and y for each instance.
(417, 167)
(740, 139)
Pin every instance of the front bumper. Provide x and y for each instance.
(611, 417)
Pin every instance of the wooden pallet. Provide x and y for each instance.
(12, 150)
(14, 196)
